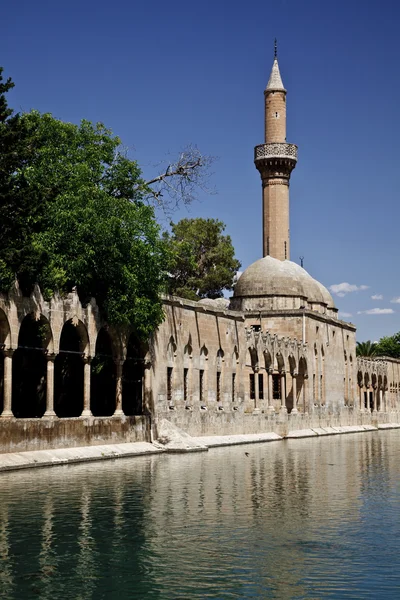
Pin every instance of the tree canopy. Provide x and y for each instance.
(203, 262)
(389, 346)
(367, 349)
(75, 211)
(72, 213)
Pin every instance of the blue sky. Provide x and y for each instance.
(163, 75)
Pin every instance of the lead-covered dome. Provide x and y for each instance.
(271, 284)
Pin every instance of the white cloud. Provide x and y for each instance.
(346, 315)
(376, 311)
(341, 289)
(378, 297)
(395, 300)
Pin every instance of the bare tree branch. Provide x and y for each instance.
(180, 182)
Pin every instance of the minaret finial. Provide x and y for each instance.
(276, 48)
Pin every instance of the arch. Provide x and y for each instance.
(188, 352)
(5, 331)
(203, 368)
(29, 367)
(220, 359)
(292, 364)
(133, 377)
(235, 358)
(280, 362)
(171, 349)
(69, 369)
(268, 360)
(103, 377)
(301, 385)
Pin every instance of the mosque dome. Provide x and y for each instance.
(287, 282)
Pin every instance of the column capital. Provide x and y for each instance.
(50, 357)
(87, 359)
(119, 362)
(8, 352)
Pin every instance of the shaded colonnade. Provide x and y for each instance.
(29, 368)
(71, 372)
(103, 377)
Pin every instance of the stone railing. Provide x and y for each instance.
(275, 150)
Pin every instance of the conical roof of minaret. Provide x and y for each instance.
(275, 80)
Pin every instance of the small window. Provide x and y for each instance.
(261, 386)
(276, 386)
(252, 387)
(277, 115)
(256, 327)
(185, 384)
(201, 384)
(169, 384)
(218, 386)
(233, 387)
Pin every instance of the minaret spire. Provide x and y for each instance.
(275, 160)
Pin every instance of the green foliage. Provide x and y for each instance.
(368, 349)
(389, 346)
(72, 214)
(203, 262)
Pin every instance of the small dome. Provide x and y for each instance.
(272, 277)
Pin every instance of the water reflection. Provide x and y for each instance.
(297, 519)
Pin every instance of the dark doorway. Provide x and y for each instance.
(132, 378)
(29, 369)
(102, 387)
(68, 372)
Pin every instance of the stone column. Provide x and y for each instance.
(50, 386)
(305, 394)
(283, 392)
(270, 392)
(361, 398)
(118, 388)
(7, 412)
(294, 394)
(256, 388)
(380, 400)
(86, 387)
(374, 395)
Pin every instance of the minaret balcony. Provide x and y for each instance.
(275, 150)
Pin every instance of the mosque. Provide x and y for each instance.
(275, 359)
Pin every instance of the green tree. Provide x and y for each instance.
(389, 346)
(203, 262)
(72, 213)
(76, 211)
(368, 349)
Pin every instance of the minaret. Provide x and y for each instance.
(275, 160)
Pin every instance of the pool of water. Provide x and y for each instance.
(313, 518)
